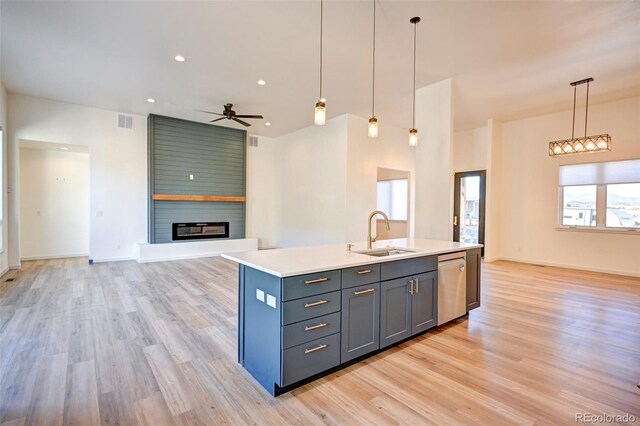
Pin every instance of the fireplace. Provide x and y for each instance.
(200, 230)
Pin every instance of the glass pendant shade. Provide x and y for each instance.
(321, 114)
(585, 144)
(373, 128)
(413, 137)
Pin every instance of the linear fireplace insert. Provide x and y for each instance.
(200, 230)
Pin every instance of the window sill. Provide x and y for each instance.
(626, 231)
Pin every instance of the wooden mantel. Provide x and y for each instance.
(209, 198)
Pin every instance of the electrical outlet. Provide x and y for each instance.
(99, 214)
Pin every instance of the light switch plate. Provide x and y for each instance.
(190, 177)
(259, 295)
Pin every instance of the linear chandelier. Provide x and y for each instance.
(596, 143)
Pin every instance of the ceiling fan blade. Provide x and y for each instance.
(244, 123)
(217, 119)
(249, 116)
(208, 112)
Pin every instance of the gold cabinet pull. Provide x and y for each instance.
(311, 305)
(314, 327)
(364, 271)
(369, 290)
(316, 281)
(317, 348)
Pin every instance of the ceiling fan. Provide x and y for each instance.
(230, 114)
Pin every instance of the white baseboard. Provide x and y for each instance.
(574, 267)
(192, 249)
(4, 271)
(18, 266)
(59, 256)
(112, 259)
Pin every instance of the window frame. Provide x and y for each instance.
(601, 214)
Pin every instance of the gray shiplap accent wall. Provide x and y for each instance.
(214, 155)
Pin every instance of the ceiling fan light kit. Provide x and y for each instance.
(596, 143)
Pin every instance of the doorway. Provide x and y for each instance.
(469, 207)
(54, 200)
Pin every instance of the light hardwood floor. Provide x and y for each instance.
(123, 343)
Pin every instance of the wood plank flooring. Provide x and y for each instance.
(155, 344)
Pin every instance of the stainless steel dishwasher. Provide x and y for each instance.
(452, 286)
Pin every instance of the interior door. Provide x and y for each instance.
(469, 200)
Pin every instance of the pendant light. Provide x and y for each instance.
(373, 121)
(413, 132)
(597, 143)
(321, 108)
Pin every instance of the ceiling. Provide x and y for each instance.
(508, 59)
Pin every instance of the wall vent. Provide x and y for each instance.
(253, 141)
(125, 121)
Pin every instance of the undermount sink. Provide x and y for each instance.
(387, 251)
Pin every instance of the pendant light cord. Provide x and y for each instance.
(373, 79)
(573, 125)
(321, 19)
(586, 112)
(413, 122)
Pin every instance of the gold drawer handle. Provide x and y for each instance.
(369, 290)
(314, 327)
(311, 305)
(365, 271)
(316, 281)
(317, 348)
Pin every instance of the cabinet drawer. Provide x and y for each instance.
(302, 361)
(403, 268)
(360, 275)
(304, 331)
(310, 284)
(310, 307)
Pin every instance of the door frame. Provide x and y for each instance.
(456, 203)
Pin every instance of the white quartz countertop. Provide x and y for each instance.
(287, 262)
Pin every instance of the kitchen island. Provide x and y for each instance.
(308, 311)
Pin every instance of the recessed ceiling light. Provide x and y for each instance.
(267, 124)
(262, 82)
(64, 148)
(151, 101)
(180, 58)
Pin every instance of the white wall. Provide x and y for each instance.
(118, 170)
(297, 187)
(493, 206)
(470, 150)
(4, 251)
(54, 203)
(434, 161)
(263, 193)
(529, 188)
(390, 150)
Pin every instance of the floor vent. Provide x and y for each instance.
(8, 280)
(253, 141)
(125, 121)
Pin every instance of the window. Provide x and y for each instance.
(623, 205)
(600, 196)
(393, 198)
(579, 205)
